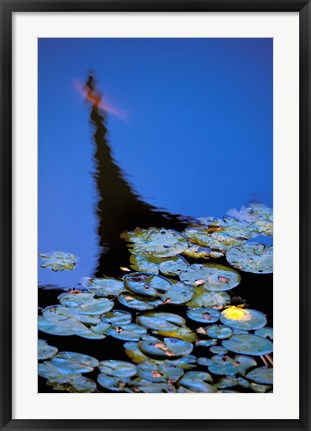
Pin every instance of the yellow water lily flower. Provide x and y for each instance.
(236, 313)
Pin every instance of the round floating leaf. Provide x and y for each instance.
(218, 331)
(261, 375)
(77, 357)
(101, 328)
(60, 312)
(218, 350)
(203, 315)
(49, 371)
(138, 303)
(159, 373)
(112, 383)
(45, 351)
(173, 266)
(265, 332)
(74, 384)
(84, 304)
(230, 381)
(145, 386)
(134, 353)
(186, 363)
(103, 287)
(212, 276)
(248, 344)
(205, 361)
(242, 318)
(208, 299)
(197, 381)
(219, 241)
(117, 368)
(183, 333)
(199, 252)
(148, 285)
(224, 365)
(251, 257)
(59, 261)
(74, 363)
(143, 264)
(205, 343)
(129, 332)
(75, 298)
(258, 214)
(170, 348)
(178, 294)
(156, 320)
(156, 242)
(117, 317)
(259, 388)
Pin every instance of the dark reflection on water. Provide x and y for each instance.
(119, 208)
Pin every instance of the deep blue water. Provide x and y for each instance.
(197, 140)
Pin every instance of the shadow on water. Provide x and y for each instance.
(119, 208)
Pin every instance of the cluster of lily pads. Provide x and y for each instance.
(202, 344)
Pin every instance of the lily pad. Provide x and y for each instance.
(158, 321)
(199, 252)
(173, 266)
(231, 381)
(114, 384)
(156, 242)
(203, 315)
(143, 264)
(117, 368)
(117, 317)
(145, 386)
(138, 303)
(76, 384)
(224, 365)
(197, 381)
(265, 332)
(212, 276)
(148, 285)
(170, 348)
(259, 388)
(258, 214)
(103, 287)
(248, 344)
(45, 351)
(218, 350)
(59, 261)
(74, 363)
(178, 293)
(159, 373)
(129, 332)
(242, 318)
(208, 299)
(133, 352)
(84, 304)
(251, 257)
(206, 343)
(218, 331)
(261, 375)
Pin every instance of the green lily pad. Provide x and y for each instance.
(133, 352)
(101, 328)
(208, 299)
(119, 369)
(197, 381)
(129, 332)
(173, 266)
(204, 361)
(154, 320)
(138, 303)
(218, 350)
(59, 261)
(206, 343)
(258, 214)
(248, 344)
(112, 383)
(145, 386)
(224, 365)
(212, 276)
(117, 317)
(261, 375)
(61, 312)
(259, 388)
(199, 252)
(186, 363)
(243, 318)
(218, 331)
(85, 304)
(251, 257)
(155, 242)
(76, 384)
(148, 285)
(170, 348)
(231, 381)
(183, 333)
(74, 363)
(178, 293)
(103, 287)
(49, 371)
(75, 298)
(203, 315)
(45, 351)
(159, 373)
(143, 264)
(265, 332)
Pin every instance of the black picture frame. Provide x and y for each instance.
(8, 7)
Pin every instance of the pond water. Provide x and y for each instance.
(186, 149)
